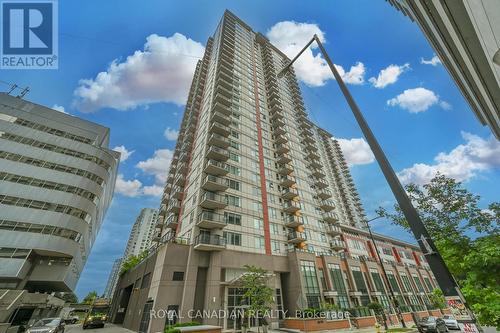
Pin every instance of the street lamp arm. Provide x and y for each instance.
(282, 72)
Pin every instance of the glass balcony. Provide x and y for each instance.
(292, 221)
(227, 93)
(278, 122)
(219, 128)
(172, 221)
(329, 217)
(337, 245)
(289, 193)
(183, 157)
(218, 140)
(291, 207)
(210, 220)
(278, 130)
(174, 206)
(320, 184)
(287, 181)
(219, 106)
(217, 153)
(324, 194)
(182, 167)
(280, 139)
(177, 192)
(333, 230)
(284, 158)
(212, 200)
(282, 148)
(312, 155)
(209, 242)
(180, 180)
(216, 168)
(276, 115)
(296, 237)
(285, 169)
(214, 183)
(318, 173)
(327, 205)
(220, 118)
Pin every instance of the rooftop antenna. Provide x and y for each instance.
(23, 93)
(14, 86)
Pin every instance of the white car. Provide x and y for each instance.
(451, 322)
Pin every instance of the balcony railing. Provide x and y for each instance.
(220, 118)
(214, 183)
(216, 168)
(333, 230)
(217, 153)
(287, 181)
(327, 205)
(337, 245)
(289, 193)
(285, 169)
(209, 242)
(212, 200)
(292, 221)
(329, 217)
(218, 140)
(291, 206)
(210, 220)
(297, 237)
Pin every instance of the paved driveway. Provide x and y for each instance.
(108, 328)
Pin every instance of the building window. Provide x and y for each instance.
(259, 242)
(276, 246)
(379, 286)
(232, 238)
(275, 228)
(232, 218)
(359, 280)
(258, 224)
(233, 184)
(233, 201)
(311, 285)
(178, 276)
(392, 281)
(418, 283)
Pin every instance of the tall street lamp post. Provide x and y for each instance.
(445, 279)
(395, 302)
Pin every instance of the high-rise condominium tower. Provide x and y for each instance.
(142, 232)
(113, 278)
(57, 178)
(254, 182)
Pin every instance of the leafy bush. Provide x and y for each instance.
(174, 328)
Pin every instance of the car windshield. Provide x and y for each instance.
(448, 317)
(51, 322)
(429, 319)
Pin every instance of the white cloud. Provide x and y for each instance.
(290, 37)
(171, 134)
(59, 108)
(158, 165)
(356, 151)
(162, 72)
(462, 163)
(434, 61)
(153, 190)
(417, 100)
(128, 188)
(388, 75)
(124, 153)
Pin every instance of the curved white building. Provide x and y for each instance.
(57, 178)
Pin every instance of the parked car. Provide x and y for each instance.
(47, 325)
(451, 322)
(433, 324)
(72, 320)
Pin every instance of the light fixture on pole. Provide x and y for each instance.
(445, 280)
(395, 302)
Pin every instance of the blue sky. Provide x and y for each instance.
(415, 109)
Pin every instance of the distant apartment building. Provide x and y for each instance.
(254, 182)
(466, 36)
(142, 233)
(113, 278)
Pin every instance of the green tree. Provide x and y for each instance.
(90, 297)
(437, 299)
(68, 297)
(378, 309)
(467, 237)
(132, 261)
(258, 296)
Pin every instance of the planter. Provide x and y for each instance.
(315, 324)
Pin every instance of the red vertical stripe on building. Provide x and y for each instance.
(263, 190)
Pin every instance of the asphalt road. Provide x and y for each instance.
(108, 328)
